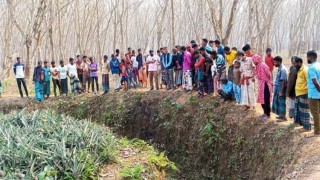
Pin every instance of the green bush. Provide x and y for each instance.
(45, 145)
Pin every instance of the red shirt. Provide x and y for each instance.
(269, 62)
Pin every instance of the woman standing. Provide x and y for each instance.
(105, 74)
(263, 75)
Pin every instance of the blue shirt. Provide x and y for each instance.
(38, 72)
(114, 66)
(166, 60)
(281, 76)
(47, 74)
(220, 50)
(313, 73)
(227, 88)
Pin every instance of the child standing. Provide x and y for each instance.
(143, 75)
(130, 74)
(236, 81)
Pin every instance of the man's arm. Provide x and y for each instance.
(283, 84)
(316, 84)
(14, 69)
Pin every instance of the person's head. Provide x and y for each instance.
(174, 51)
(257, 59)
(268, 51)
(39, 63)
(193, 42)
(123, 60)
(139, 51)
(189, 48)
(117, 52)
(196, 54)
(85, 58)
(224, 81)
(312, 56)
(105, 58)
(236, 65)
(240, 55)
(203, 51)
(112, 56)
(183, 48)
(18, 59)
(61, 63)
(159, 52)
(151, 52)
(204, 42)
(227, 50)
(165, 50)
(298, 61)
(234, 49)
(277, 61)
(45, 63)
(247, 49)
(91, 59)
(293, 60)
(78, 57)
(53, 64)
(71, 60)
(195, 46)
(211, 43)
(129, 49)
(217, 43)
(214, 54)
(133, 53)
(178, 47)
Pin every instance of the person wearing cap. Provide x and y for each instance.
(39, 81)
(46, 89)
(105, 74)
(220, 48)
(73, 75)
(248, 95)
(18, 69)
(152, 63)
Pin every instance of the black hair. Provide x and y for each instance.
(240, 53)
(139, 49)
(312, 54)
(224, 81)
(18, 58)
(205, 40)
(195, 52)
(71, 59)
(268, 50)
(202, 49)
(235, 48)
(112, 55)
(117, 50)
(45, 61)
(194, 46)
(91, 58)
(53, 62)
(278, 59)
(61, 61)
(129, 48)
(161, 48)
(213, 53)
(217, 41)
(226, 48)
(85, 56)
(78, 56)
(246, 47)
(193, 42)
(105, 57)
(297, 59)
(158, 51)
(183, 48)
(151, 51)
(237, 62)
(211, 41)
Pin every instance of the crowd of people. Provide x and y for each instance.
(209, 68)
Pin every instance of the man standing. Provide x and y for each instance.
(178, 60)
(47, 79)
(314, 89)
(55, 78)
(72, 73)
(291, 87)
(86, 74)
(220, 48)
(139, 59)
(38, 80)
(63, 78)
(247, 68)
(269, 60)
(187, 70)
(207, 79)
(18, 69)
(115, 71)
(280, 86)
(231, 56)
(206, 46)
(302, 110)
(105, 74)
(79, 69)
(93, 67)
(153, 62)
(166, 60)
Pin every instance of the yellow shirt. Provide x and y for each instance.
(302, 79)
(230, 58)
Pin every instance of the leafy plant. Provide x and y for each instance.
(162, 162)
(132, 173)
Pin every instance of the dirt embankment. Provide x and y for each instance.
(206, 139)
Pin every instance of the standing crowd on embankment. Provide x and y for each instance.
(211, 69)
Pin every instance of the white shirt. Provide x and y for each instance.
(72, 69)
(153, 66)
(135, 62)
(54, 73)
(19, 70)
(214, 69)
(63, 72)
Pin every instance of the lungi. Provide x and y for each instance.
(105, 82)
(279, 104)
(302, 111)
(248, 96)
(187, 80)
(38, 90)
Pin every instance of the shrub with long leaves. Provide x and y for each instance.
(45, 145)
